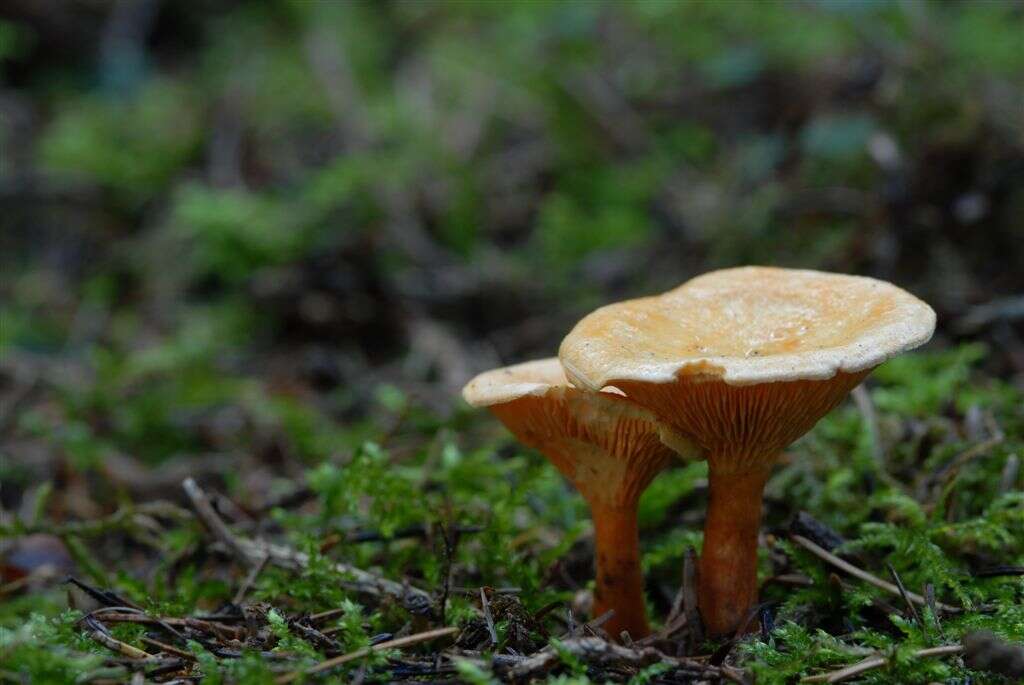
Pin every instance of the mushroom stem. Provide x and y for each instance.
(620, 582)
(727, 583)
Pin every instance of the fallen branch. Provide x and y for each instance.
(102, 615)
(590, 626)
(876, 662)
(255, 552)
(365, 651)
(170, 649)
(864, 575)
(817, 532)
(98, 633)
(593, 650)
(218, 629)
(997, 571)
(597, 651)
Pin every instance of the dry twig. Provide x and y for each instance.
(694, 624)
(100, 634)
(486, 607)
(866, 407)
(864, 575)
(250, 580)
(360, 653)
(906, 596)
(219, 629)
(876, 662)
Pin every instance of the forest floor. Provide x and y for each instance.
(437, 550)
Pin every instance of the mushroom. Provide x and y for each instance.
(608, 447)
(743, 362)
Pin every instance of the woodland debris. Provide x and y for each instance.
(874, 662)
(864, 575)
(817, 532)
(360, 653)
(254, 552)
(595, 651)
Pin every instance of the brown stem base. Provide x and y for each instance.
(620, 582)
(727, 584)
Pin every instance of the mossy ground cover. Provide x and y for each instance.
(921, 486)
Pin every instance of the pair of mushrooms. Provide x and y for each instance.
(731, 366)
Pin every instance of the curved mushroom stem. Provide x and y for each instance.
(620, 582)
(727, 582)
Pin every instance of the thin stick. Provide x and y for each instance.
(162, 646)
(101, 613)
(996, 571)
(219, 629)
(486, 606)
(694, 624)
(864, 575)
(906, 597)
(360, 653)
(98, 633)
(459, 590)
(590, 626)
(214, 522)
(677, 605)
(876, 662)
(326, 615)
(866, 407)
(929, 598)
(250, 580)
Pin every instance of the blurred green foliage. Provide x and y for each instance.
(323, 120)
(135, 147)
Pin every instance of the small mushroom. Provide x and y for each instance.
(743, 361)
(608, 447)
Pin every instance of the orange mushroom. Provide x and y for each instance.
(608, 447)
(743, 362)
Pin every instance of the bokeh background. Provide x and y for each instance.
(224, 223)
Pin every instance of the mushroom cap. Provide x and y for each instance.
(608, 446)
(533, 378)
(746, 326)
